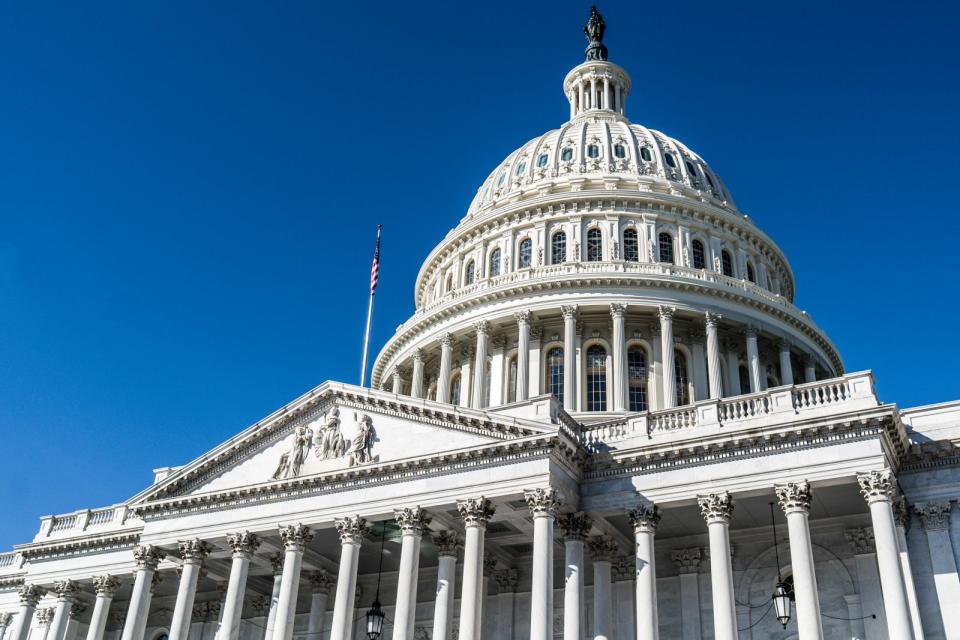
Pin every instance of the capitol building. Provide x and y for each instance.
(605, 420)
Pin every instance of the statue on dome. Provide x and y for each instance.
(593, 30)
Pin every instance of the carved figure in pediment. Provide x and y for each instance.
(361, 449)
(329, 443)
(291, 461)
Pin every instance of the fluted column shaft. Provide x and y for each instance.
(543, 504)
(575, 527)
(411, 523)
(902, 517)
(244, 545)
(106, 586)
(351, 532)
(475, 513)
(935, 519)
(480, 365)
(523, 356)
(277, 561)
(877, 488)
(786, 367)
(416, 380)
(645, 519)
(192, 552)
(795, 498)
(717, 509)
(602, 550)
(319, 595)
(446, 364)
(618, 313)
(809, 370)
(753, 360)
(446, 544)
(569, 358)
(29, 598)
(147, 558)
(66, 591)
(295, 539)
(711, 321)
(666, 353)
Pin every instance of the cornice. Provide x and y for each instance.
(930, 455)
(9, 583)
(81, 544)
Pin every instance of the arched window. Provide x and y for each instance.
(487, 377)
(645, 154)
(744, 379)
(637, 379)
(594, 245)
(526, 253)
(699, 255)
(555, 373)
(512, 380)
(670, 160)
(521, 168)
(751, 276)
(542, 160)
(596, 378)
(680, 378)
(500, 180)
(455, 389)
(665, 244)
(631, 245)
(495, 263)
(709, 181)
(567, 154)
(726, 263)
(558, 248)
(619, 151)
(449, 286)
(593, 151)
(470, 274)
(691, 170)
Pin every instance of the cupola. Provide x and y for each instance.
(597, 86)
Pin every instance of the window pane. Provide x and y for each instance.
(512, 380)
(744, 380)
(637, 379)
(699, 256)
(520, 168)
(726, 263)
(526, 253)
(631, 245)
(596, 378)
(751, 276)
(558, 248)
(455, 389)
(645, 154)
(495, 263)
(555, 373)
(567, 154)
(666, 247)
(680, 378)
(619, 151)
(542, 160)
(594, 246)
(470, 274)
(670, 161)
(593, 151)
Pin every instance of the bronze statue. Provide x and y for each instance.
(594, 29)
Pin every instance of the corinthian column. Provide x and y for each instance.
(902, 517)
(753, 359)
(446, 362)
(569, 357)
(192, 552)
(644, 519)
(320, 586)
(717, 509)
(295, 538)
(411, 521)
(147, 558)
(106, 586)
(66, 591)
(666, 353)
(619, 346)
(935, 518)
(480, 364)
(244, 544)
(30, 595)
(603, 550)
(543, 504)
(446, 543)
(475, 513)
(575, 527)
(351, 532)
(416, 382)
(795, 498)
(523, 355)
(5, 619)
(786, 367)
(877, 488)
(711, 321)
(45, 619)
(687, 562)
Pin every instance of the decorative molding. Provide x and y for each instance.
(66, 590)
(542, 502)
(295, 537)
(506, 580)
(794, 497)
(351, 529)
(447, 543)
(901, 512)
(861, 540)
(106, 585)
(602, 548)
(687, 560)
(411, 520)
(76, 610)
(193, 551)
(716, 507)
(575, 526)
(79, 545)
(45, 616)
(30, 594)
(876, 486)
(644, 518)
(243, 543)
(147, 557)
(934, 516)
(475, 511)
(321, 582)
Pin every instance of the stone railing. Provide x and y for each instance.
(781, 404)
(8, 559)
(78, 522)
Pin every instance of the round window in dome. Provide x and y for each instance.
(593, 151)
(566, 155)
(542, 160)
(619, 151)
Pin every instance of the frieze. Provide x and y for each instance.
(74, 546)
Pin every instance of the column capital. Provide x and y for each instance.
(569, 311)
(76, 610)
(602, 548)
(412, 520)
(666, 313)
(687, 560)
(5, 619)
(523, 316)
(447, 543)
(295, 537)
(861, 540)
(644, 518)
(506, 580)
(446, 340)
(716, 507)
(148, 556)
(901, 513)
(877, 486)
(575, 526)
(399, 371)
(193, 551)
(321, 582)
(784, 345)
(711, 319)
(243, 543)
(276, 563)
(351, 529)
(66, 590)
(542, 502)
(30, 594)
(498, 341)
(536, 333)
(489, 562)
(618, 310)
(261, 605)
(794, 497)
(482, 327)
(155, 581)
(934, 516)
(418, 355)
(45, 616)
(106, 585)
(475, 511)
(809, 360)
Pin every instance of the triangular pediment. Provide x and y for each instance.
(336, 428)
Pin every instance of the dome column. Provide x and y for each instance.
(666, 348)
(711, 320)
(606, 93)
(733, 369)
(809, 369)
(480, 365)
(569, 357)
(523, 355)
(618, 313)
(753, 359)
(416, 381)
(786, 368)
(446, 362)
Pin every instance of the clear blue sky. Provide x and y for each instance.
(189, 195)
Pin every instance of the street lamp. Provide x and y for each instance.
(781, 595)
(375, 614)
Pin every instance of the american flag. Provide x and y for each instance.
(375, 268)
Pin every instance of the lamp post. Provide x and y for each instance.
(781, 595)
(375, 615)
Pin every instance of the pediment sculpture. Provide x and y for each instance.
(329, 445)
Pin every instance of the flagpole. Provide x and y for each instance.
(366, 335)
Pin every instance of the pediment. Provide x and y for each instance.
(331, 432)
